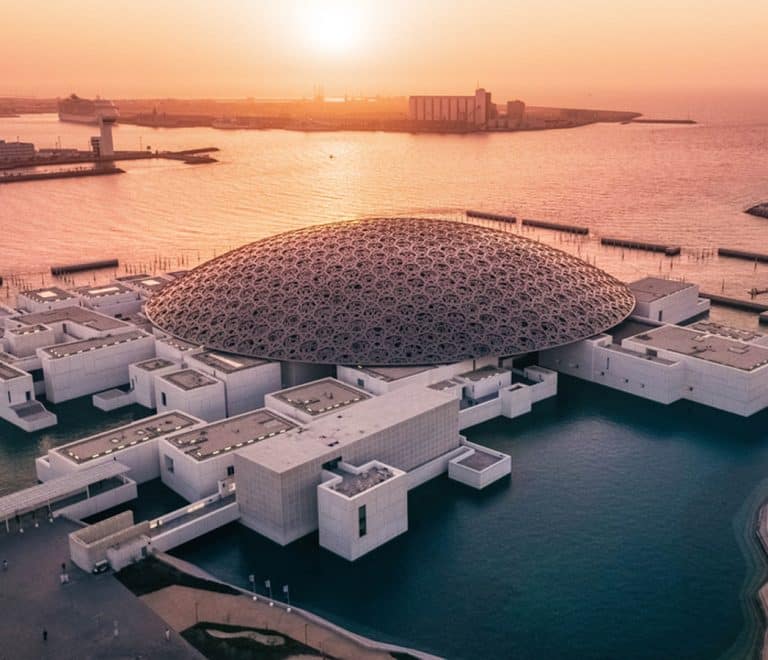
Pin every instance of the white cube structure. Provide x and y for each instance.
(246, 379)
(485, 381)
(17, 400)
(479, 467)
(193, 463)
(361, 508)
(91, 365)
(141, 376)
(193, 392)
(667, 301)
(24, 340)
(111, 299)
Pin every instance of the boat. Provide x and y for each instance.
(85, 111)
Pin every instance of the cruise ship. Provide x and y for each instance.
(85, 111)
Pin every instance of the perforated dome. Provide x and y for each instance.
(390, 291)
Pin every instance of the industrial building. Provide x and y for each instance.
(16, 151)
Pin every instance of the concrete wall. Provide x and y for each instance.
(88, 545)
(100, 502)
(76, 375)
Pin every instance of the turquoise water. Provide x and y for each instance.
(625, 531)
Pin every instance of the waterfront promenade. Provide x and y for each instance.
(79, 616)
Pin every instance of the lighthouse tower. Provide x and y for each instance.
(106, 148)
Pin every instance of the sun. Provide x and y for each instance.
(333, 27)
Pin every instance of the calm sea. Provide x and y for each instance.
(627, 528)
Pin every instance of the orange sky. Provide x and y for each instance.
(542, 51)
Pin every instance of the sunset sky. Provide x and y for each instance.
(544, 51)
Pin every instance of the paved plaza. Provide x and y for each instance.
(80, 617)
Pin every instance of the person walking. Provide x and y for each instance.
(167, 635)
(45, 635)
(5, 564)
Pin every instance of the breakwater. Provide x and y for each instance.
(20, 177)
(491, 216)
(88, 265)
(557, 226)
(735, 303)
(742, 254)
(669, 250)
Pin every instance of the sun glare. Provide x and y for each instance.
(334, 28)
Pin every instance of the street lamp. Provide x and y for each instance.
(268, 585)
(287, 593)
(252, 580)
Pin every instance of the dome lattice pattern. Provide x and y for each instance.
(390, 291)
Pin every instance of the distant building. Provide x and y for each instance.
(515, 112)
(475, 110)
(10, 151)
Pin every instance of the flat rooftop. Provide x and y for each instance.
(178, 344)
(73, 314)
(108, 442)
(227, 363)
(190, 379)
(7, 372)
(103, 291)
(354, 484)
(483, 372)
(389, 374)
(232, 433)
(75, 347)
(321, 396)
(480, 460)
(715, 328)
(445, 384)
(154, 364)
(325, 436)
(27, 329)
(649, 289)
(150, 284)
(713, 348)
(49, 294)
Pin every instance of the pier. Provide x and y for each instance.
(557, 226)
(742, 254)
(191, 156)
(669, 250)
(19, 177)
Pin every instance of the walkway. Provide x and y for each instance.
(182, 607)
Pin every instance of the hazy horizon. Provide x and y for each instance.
(639, 55)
